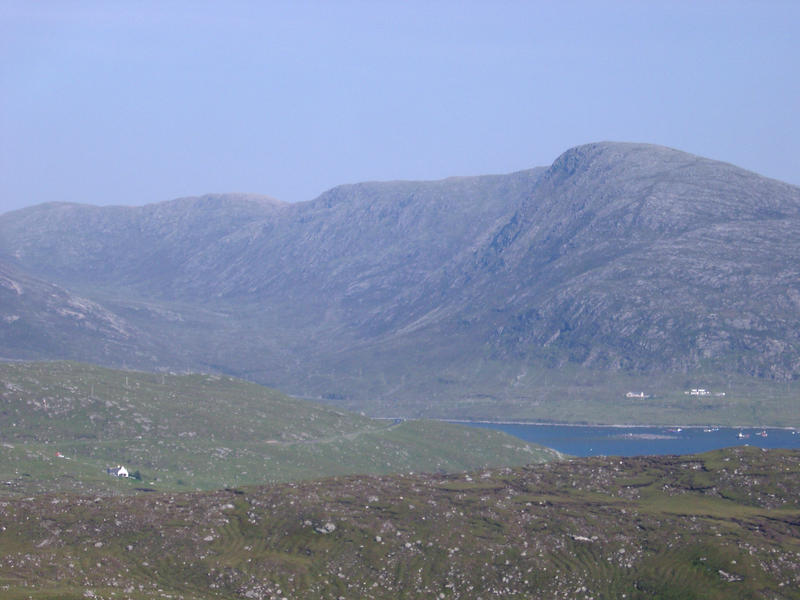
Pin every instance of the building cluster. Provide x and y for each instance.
(701, 392)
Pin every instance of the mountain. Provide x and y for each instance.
(719, 525)
(38, 314)
(620, 264)
(649, 258)
(65, 423)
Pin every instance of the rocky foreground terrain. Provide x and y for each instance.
(618, 260)
(719, 525)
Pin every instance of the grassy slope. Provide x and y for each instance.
(204, 432)
(502, 390)
(716, 526)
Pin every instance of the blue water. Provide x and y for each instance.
(633, 441)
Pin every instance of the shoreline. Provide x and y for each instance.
(614, 425)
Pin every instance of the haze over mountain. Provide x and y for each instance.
(618, 258)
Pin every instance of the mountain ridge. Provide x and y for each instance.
(618, 257)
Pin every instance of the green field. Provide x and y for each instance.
(496, 390)
(64, 423)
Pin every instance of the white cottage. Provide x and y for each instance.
(118, 471)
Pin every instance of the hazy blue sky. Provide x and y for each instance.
(137, 102)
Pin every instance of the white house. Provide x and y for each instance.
(118, 471)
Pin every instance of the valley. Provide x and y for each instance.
(237, 491)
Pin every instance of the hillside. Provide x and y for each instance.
(38, 314)
(65, 423)
(716, 526)
(628, 265)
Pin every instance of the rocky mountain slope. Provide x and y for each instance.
(619, 258)
(38, 314)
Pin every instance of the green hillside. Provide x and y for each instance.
(64, 423)
(720, 525)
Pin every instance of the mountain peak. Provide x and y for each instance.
(658, 188)
(600, 157)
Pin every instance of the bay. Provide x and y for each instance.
(579, 440)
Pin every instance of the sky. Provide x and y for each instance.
(139, 102)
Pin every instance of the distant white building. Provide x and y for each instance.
(698, 392)
(118, 471)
